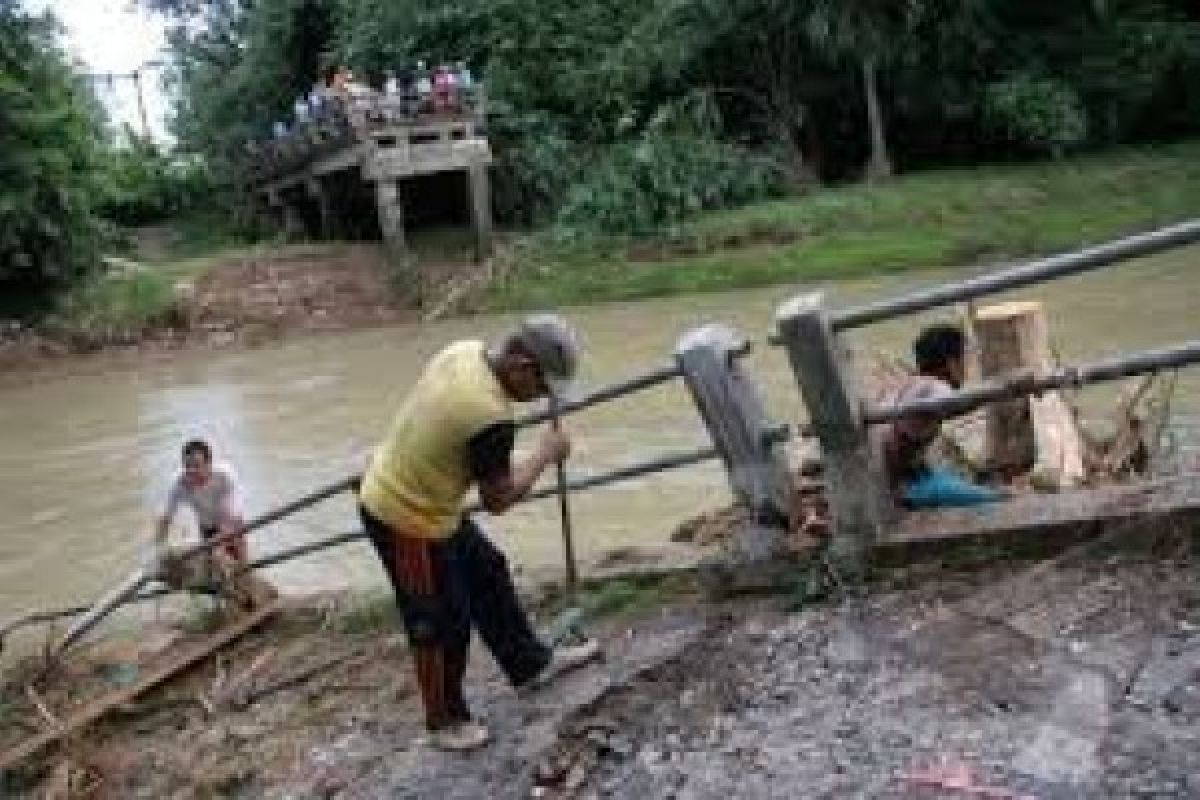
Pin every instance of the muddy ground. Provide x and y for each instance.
(1074, 678)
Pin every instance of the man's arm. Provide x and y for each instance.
(163, 525)
(501, 483)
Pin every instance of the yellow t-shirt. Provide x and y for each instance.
(418, 475)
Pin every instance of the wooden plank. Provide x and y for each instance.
(856, 490)
(1045, 512)
(97, 708)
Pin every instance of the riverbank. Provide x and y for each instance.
(245, 297)
(248, 295)
(1072, 678)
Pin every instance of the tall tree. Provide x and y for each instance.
(50, 138)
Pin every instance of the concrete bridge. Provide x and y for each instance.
(375, 144)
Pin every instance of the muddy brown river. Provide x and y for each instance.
(86, 460)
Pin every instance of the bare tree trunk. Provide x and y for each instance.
(880, 165)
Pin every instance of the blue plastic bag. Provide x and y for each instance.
(941, 488)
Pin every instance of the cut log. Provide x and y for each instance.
(1035, 435)
(90, 712)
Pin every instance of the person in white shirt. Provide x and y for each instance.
(211, 492)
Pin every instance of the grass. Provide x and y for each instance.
(938, 218)
(366, 612)
(622, 595)
(115, 306)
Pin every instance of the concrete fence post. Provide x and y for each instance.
(733, 412)
(853, 479)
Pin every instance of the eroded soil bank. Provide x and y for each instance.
(246, 299)
(1074, 678)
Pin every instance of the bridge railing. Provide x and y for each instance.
(813, 336)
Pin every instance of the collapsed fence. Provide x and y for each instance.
(745, 440)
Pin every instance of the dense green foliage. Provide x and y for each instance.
(141, 184)
(65, 184)
(801, 89)
(49, 148)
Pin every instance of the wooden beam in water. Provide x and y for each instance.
(1036, 512)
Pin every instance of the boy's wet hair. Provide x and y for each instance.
(197, 446)
(937, 345)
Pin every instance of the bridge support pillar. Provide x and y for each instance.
(325, 217)
(481, 209)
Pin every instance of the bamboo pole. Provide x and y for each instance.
(137, 579)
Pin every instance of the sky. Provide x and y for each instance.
(113, 36)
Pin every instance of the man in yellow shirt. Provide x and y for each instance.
(456, 429)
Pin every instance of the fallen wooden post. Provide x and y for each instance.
(97, 708)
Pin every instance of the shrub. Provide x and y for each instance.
(142, 185)
(1041, 114)
(114, 307)
(658, 180)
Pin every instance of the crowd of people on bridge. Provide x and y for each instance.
(339, 105)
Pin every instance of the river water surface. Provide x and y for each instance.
(86, 459)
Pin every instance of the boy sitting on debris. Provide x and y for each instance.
(940, 353)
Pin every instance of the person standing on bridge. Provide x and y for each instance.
(456, 428)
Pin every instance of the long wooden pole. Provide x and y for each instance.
(137, 579)
(564, 507)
